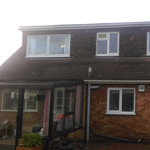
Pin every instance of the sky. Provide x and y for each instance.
(15, 13)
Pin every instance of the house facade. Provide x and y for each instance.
(70, 78)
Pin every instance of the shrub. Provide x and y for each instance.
(31, 140)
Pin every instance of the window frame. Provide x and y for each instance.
(120, 112)
(108, 40)
(148, 44)
(48, 47)
(25, 110)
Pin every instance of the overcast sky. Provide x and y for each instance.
(15, 13)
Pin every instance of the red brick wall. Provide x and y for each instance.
(113, 125)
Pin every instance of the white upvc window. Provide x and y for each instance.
(107, 44)
(148, 43)
(48, 45)
(121, 101)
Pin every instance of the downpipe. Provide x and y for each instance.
(88, 108)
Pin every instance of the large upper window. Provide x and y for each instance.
(107, 44)
(121, 101)
(148, 43)
(48, 45)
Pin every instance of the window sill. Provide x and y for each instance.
(48, 56)
(120, 114)
(107, 55)
(17, 110)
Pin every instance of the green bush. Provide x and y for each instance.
(31, 140)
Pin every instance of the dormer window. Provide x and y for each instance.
(48, 45)
(107, 44)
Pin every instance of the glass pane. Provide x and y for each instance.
(37, 45)
(59, 93)
(9, 103)
(114, 100)
(78, 107)
(113, 43)
(71, 88)
(10, 99)
(59, 101)
(149, 43)
(59, 44)
(68, 122)
(128, 100)
(30, 99)
(70, 101)
(36, 120)
(59, 109)
(102, 47)
(31, 102)
(102, 36)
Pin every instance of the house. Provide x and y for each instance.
(70, 78)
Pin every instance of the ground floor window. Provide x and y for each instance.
(9, 99)
(121, 101)
(67, 109)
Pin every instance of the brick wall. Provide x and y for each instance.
(32, 119)
(113, 125)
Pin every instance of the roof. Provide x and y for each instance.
(84, 26)
(122, 68)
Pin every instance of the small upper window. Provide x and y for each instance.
(148, 43)
(107, 44)
(48, 46)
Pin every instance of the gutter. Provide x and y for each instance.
(117, 81)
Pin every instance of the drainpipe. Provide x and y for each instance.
(88, 109)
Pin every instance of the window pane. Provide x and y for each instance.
(102, 36)
(70, 101)
(113, 43)
(59, 93)
(68, 122)
(59, 109)
(10, 99)
(71, 88)
(59, 101)
(114, 100)
(127, 100)
(31, 99)
(102, 47)
(37, 45)
(59, 44)
(149, 42)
